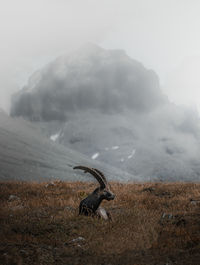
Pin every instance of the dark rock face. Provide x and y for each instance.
(91, 78)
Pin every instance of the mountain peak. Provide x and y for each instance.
(88, 78)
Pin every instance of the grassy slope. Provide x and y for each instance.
(38, 228)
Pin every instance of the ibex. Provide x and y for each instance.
(90, 205)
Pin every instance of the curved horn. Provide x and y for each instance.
(102, 175)
(94, 173)
(104, 178)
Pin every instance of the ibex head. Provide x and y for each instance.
(104, 189)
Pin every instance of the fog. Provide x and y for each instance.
(89, 78)
(111, 108)
(160, 34)
(133, 100)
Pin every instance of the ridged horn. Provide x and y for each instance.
(95, 173)
(103, 177)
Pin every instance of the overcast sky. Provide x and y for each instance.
(163, 34)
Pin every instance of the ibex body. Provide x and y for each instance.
(90, 205)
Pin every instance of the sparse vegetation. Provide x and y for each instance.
(153, 223)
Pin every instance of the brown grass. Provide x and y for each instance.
(153, 223)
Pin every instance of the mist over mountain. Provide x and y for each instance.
(91, 78)
(108, 106)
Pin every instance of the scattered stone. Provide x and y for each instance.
(13, 198)
(69, 208)
(163, 215)
(51, 184)
(150, 189)
(163, 193)
(167, 216)
(194, 202)
(177, 220)
(24, 252)
(159, 193)
(76, 241)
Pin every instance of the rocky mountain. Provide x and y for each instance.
(109, 107)
(90, 78)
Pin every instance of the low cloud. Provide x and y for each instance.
(91, 78)
(97, 99)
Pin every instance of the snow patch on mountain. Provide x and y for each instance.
(115, 147)
(132, 154)
(95, 156)
(54, 137)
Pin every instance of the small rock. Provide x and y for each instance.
(78, 239)
(51, 184)
(150, 189)
(170, 216)
(194, 202)
(167, 216)
(22, 251)
(13, 198)
(163, 215)
(69, 208)
(75, 241)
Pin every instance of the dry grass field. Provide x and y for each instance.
(153, 223)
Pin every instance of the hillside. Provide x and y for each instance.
(26, 154)
(152, 224)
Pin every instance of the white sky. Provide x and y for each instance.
(163, 34)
